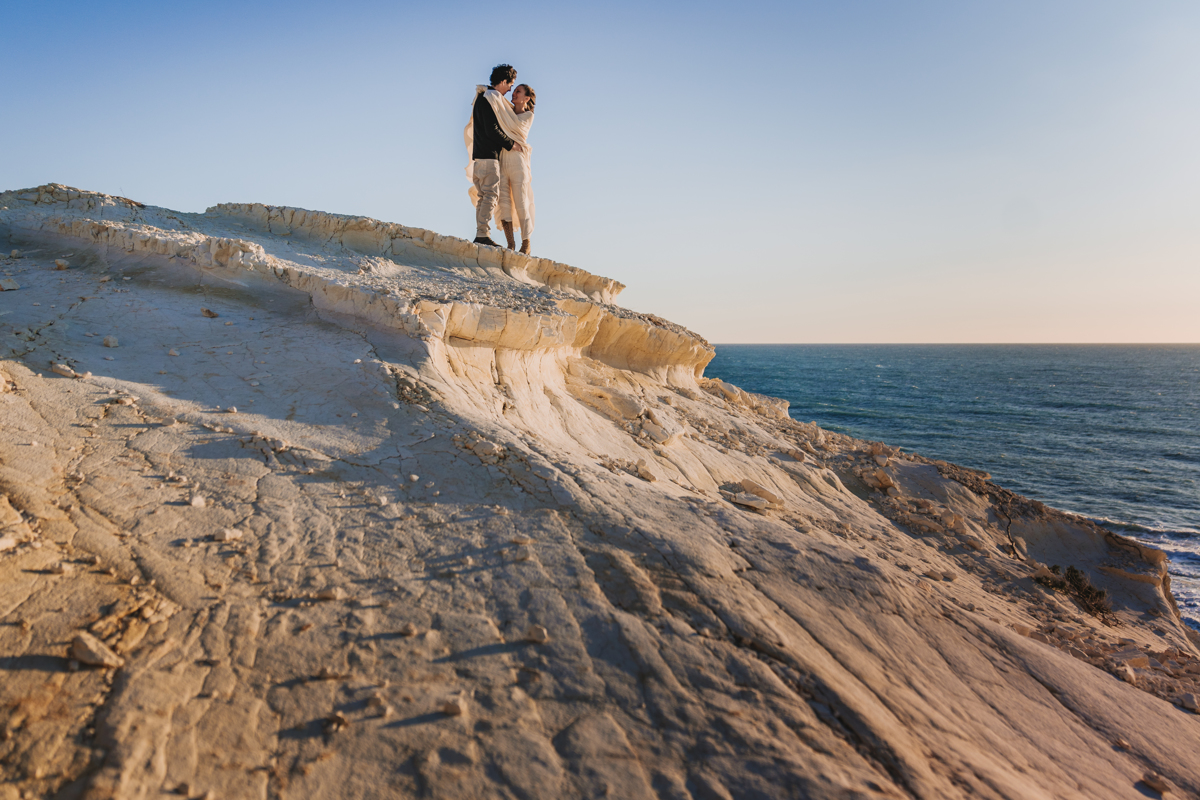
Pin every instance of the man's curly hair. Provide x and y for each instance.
(504, 72)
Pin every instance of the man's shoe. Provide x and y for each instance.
(485, 240)
(525, 246)
(508, 234)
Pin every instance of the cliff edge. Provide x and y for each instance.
(295, 504)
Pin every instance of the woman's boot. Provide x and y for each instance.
(525, 246)
(508, 234)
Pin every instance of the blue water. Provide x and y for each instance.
(1111, 432)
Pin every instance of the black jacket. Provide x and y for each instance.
(489, 138)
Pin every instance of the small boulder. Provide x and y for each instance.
(64, 370)
(755, 488)
(748, 500)
(60, 263)
(209, 313)
(8, 285)
(1190, 701)
(110, 341)
(485, 448)
(15, 254)
(87, 649)
(1157, 782)
(645, 472)
(228, 535)
(332, 593)
(335, 722)
(454, 707)
(536, 634)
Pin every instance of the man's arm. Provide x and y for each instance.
(488, 119)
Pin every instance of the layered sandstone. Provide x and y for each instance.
(350, 509)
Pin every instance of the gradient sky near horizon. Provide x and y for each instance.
(858, 171)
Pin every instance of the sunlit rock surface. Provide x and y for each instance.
(302, 505)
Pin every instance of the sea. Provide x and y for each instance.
(1109, 432)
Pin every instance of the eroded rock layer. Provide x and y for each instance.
(301, 505)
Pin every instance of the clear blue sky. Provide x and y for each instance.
(858, 171)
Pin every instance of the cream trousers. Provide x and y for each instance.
(486, 176)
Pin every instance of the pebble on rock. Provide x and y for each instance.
(110, 341)
(536, 634)
(1157, 782)
(60, 263)
(87, 649)
(209, 313)
(227, 535)
(454, 707)
(8, 285)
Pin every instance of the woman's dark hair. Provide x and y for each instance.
(504, 72)
(531, 94)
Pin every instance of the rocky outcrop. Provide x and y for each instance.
(334, 516)
(381, 273)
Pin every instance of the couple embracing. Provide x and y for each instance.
(497, 141)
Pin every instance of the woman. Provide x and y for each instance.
(516, 191)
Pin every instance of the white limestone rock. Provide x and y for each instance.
(664, 601)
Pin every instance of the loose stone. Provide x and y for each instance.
(90, 650)
(536, 634)
(1157, 782)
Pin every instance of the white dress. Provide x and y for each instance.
(516, 189)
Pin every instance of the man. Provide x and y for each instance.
(489, 140)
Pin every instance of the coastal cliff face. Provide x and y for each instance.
(295, 504)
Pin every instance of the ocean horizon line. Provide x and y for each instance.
(956, 344)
